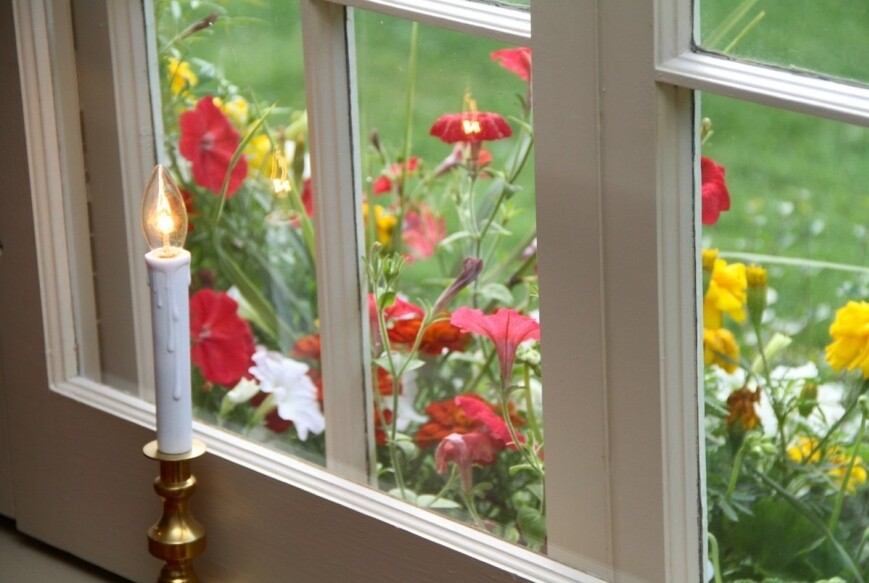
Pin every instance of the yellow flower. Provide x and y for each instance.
(181, 77)
(840, 467)
(236, 109)
(756, 277)
(719, 347)
(726, 294)
(805, 450)
(850, 332)
(258, 153)
(385, 222)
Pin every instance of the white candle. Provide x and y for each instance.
(164, 223)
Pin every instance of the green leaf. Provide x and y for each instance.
(430, 501)
(409, 495)
(450, 239)
(532, 524)
(495, 292)
(251, 292)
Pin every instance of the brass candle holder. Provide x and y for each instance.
(176, 538)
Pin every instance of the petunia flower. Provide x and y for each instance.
(294, 392)
(465, 450)
(222, 340)
(422, 232)
(714, 194)
(507, 328)
(209, 141)
(493, 423)
(516, 60)
(849, 349)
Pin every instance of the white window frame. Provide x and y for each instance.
(613, 82)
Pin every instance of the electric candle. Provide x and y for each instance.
(164, 224)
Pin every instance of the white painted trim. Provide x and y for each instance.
(767, 85)
(325, 484)
(136, 140)
(341, 288)
(674, 28)
(35, 67)
(495, 22)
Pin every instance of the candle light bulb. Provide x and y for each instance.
(164, 218)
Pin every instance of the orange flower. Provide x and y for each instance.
(447, 417)
(740, 407)
(439, 336)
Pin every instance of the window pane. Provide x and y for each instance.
(785, 441)
(827, 37)
(449, 181)
(507, 3)
(232, 83)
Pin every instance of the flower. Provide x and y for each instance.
(461, 154)
(471, 269)
(294, 392)
(719, 347)
(850, 333)
(181, 77)
(384, 222)
(507, 328)
(446, 416)
(494, 424)
(464, 450)
(395, 173)
(236, 108)
(740, 407)
(516, 60)
(439, 337)
(726, 294)
(209, 141)
(308, 348)
(756, 278)
(807, 451)
(472, 126)
(714, 194)
(222, 340)
(422, 232)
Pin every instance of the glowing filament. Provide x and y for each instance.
(279, 175)
(470, 125)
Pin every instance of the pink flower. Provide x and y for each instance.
(507, 328)
(395, 173)
(715, 196)
(516, 60)
(478, 410)
(423, 230)
(464, 450)
(473, 127)
(222, 341)
(209, 141)
(461, 154)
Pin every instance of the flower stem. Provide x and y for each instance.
(529, 407)
(713, 556)
(468, 499)
(734, 473)
(846, 479)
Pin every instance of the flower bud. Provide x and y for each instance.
(756, 293)
(471, 269)
(808, 399)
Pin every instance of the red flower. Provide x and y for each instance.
(308, 197)
(423, 230)
(308, 348)
(517, 60)
(437, 337)
(188, 206)
(493, 423)
(383, 184)
(465, 450)
(447, 417)
(222, 341)
(507, 328)
(715, 196)
(470, 127)
(209, 141)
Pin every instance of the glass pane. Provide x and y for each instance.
(449, 182)
(785, 267)
(826, 37)
(507, 3)
(232, 84)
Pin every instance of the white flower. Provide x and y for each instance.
(406, 413)
(295, 393)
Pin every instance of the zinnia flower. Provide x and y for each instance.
(222, 340)
(726, 294)
(464, 450)
(850, 331)
(295, 394)
(209, 141)
(446, 416)
(507, 328)
(719, 347)
(495, 425)
(714, 194)
(516, 60)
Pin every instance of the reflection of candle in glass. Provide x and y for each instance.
(164, 224)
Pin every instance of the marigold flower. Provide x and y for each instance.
(805, 450)
(714, 193)
(181, 76)
(209, 141)
(384, 222)
(707, 259)
(850, 332)
(516, 60)
(507, 328)
(720, 348)
(726, 294)
(740, 407)
(222, 341)
(236, 109)
(756, 294)
(840, 462)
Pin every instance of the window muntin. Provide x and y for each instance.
(824, 38)
(441, 195)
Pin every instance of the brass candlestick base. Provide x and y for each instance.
(176, 538)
